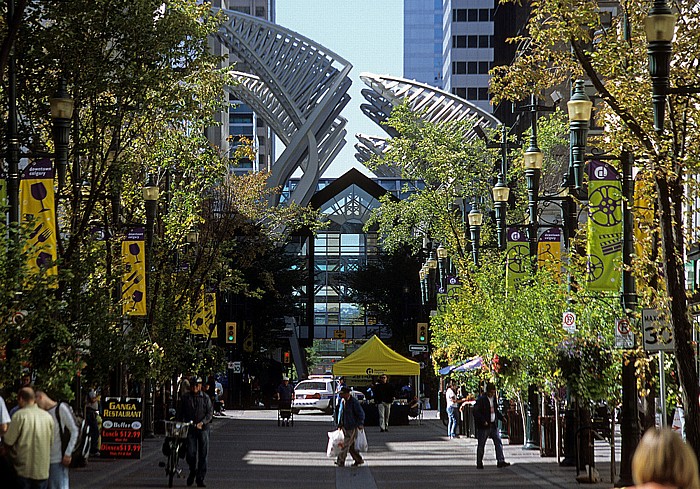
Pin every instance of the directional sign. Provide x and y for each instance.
(658, 334)
(418, 348)
(623, 335)
(568, 321)
(339, 334)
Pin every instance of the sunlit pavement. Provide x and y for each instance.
(249, 450)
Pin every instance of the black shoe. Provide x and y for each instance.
(190, 479)
(339, 464)
(502, 464)
(358, 463)
(381, 430)
(201, 484)
(386, 429)
(479, 466)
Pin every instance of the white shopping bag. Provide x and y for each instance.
(335, 442)
(361, 441)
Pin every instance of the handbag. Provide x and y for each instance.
(336, 440)
(361, 441)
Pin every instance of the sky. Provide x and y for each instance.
(369, 35)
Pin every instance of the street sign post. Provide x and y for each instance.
(623, 334)
(418, 348)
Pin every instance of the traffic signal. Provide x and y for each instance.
(231, 332)
(287, 357)
(422, 333)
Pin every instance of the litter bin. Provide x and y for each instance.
(548, 436)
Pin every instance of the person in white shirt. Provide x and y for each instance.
(4, 417)
(60, 458)
(453, 402)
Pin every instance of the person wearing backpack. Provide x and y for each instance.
(61, 452)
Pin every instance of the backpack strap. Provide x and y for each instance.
(58, 417)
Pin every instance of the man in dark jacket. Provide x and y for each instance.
(486, 415)
(383, 396)
(197, 408)
(351, 418)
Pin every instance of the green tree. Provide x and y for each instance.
(616, 64)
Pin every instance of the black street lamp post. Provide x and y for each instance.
(660, 26)
(61, 114)
(150, 194)
(475, 219)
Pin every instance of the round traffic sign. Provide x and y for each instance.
(569, 319)
(623, 326)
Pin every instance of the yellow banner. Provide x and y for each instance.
(37, 206)
(549, 251)
(204, 319)
(134, 278)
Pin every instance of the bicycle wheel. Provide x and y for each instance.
(172, 464)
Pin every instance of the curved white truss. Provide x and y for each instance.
(432, 104)
(299, 88)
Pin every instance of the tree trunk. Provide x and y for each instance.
(670, 197)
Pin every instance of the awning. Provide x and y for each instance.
(471, 364)
(375, 358)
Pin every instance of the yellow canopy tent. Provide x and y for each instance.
(374, 358)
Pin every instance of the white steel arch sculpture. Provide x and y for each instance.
(432, 104)
(298, 87)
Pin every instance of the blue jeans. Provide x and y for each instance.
(482, 434)
(24, 483)
(453, 416)
(197, 449)
(58, 476)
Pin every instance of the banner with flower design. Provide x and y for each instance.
(38, 208)
(604, 247)
(134, 278)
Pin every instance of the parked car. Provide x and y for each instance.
(313, 393)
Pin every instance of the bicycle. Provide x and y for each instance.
(174, 447)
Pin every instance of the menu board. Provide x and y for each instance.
(121, 428)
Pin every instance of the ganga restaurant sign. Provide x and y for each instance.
(121, 428)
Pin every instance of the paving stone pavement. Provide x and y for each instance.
(249, 450)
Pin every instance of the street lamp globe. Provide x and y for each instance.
(431, 262)
(441, 252)
(501, 192)
(150, 191)
(579, 106)
(61, 104)
(660, 24)
(192, 236)
(476, 218)
(533, 157)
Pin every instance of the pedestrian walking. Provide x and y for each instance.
(351, 418)
(664, 461)
(486, 415)
(92, 412)
(453, 402)
(197, 408)
(60, 450)
(29, 438)
(285, 396)
(383, 397)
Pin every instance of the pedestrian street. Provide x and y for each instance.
(249, 450)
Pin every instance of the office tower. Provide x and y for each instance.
(422, 52)
(241, 120)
